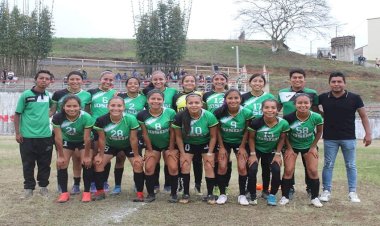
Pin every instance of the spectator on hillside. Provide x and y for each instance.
(361, 60)
(377, 63)
(3, 76)
(84, 73)
(118, 76)
(125, 76)
(135, 74)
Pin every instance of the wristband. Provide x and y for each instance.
(253, 153)
(278, 153)
(209, 154)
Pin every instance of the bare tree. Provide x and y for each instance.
(278, 18)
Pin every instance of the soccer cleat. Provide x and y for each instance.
(184, 199)
(106, 187)
(216, 191)
(93, 187)
(222, 199)
(242, 200)
(173, 199)
(316, 202)
(116, 190)
(167, 189)
(63, 197)
(272, 200)
(325, 196)
(28, 193)
(139, 197)
(44, 192)
(86, 197)
(291, 192)
(353, 196)
(264, 194)
(75, 190)
(99, 195)
(283, 201)
(197, 190)
(211, 199)
(150, 198)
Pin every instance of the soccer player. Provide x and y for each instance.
(286, 98)
(72, 129)
(159, 137)
(158, 81)
(34, 135)
(99, 106)
(213, 100)
(134, 102)
(74, 82)
(266, 139)
(232, 134)
(117, 132)
(302, 139)
(253, 100)
(196, 134)
(189, 86)
(339, 108)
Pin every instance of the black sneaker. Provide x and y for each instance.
(173, 199)
(264, 194)
(150, 198)
(185, 199)
(211, 199)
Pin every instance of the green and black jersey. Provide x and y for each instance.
(287, 96)
(302, 133)
(213, 100)
(199, 128)
(117, 134)
(99, 101)
(266, 138)
(33, 108)
(158, 128)
(254, 103)
(169, 93)
(59, 96)
(133, 105)
(73, 131)
(179, 100)
(232, 127)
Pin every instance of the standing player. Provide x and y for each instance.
(232, 134)
(159, 137)
(134, 103)
(34, 135)
(302, 139)
(74, 82)
(99, 106)
(286, 98)
(159, 81)
(72, 129)
(196, 134)
(339, 108)
(266, 139)
(213, 100)
(117, 132)
(179, 104)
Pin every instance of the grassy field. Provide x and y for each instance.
(121, 211)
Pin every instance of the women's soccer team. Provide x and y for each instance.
(186, 128)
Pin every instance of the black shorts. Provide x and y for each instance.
(114, 151)
(302, 151)
(73, 145)
(234, 147)
(196, 148)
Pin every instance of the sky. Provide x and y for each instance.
(210, 19)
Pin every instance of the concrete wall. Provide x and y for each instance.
(343, 47)
(373, 50)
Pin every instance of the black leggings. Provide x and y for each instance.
(267, 168)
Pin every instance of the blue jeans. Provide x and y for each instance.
(331, 148)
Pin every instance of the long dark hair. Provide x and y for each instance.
(67, 98)
(185, 115)
(189, 75)
(223, 110)
(225, 75)
(150, 86)
(257, 75)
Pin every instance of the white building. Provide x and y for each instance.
(372, 50)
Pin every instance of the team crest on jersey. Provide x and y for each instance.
(109, 127)
(97, 95)
(286, 96)
(295, 125)
(66, 123)
(150, 121)
(226, 119)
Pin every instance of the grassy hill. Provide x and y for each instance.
(254, 54)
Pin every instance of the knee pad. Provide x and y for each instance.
(252, 170)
